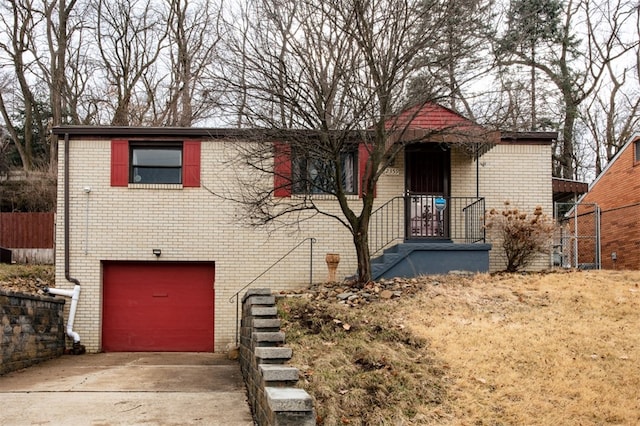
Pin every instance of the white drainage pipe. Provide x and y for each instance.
(74, 295)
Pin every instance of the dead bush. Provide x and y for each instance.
(522, 236)
(34, 192)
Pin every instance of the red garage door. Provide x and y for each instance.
(157, 306)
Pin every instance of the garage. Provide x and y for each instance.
(158, 306)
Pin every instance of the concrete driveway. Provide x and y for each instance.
(127, 389)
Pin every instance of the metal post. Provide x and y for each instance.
(237, 317)
(311, 241)
(598, 247)
(87, 190)
(575, 235)
(477, 170)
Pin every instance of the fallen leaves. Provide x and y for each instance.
(345, 326)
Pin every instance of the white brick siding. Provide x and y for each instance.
(193, 224)
(520, 174)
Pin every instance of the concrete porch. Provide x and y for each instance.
(411, 259)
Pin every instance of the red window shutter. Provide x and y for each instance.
(363, 156)
(282, 170)
(119, 163)
(191, 163)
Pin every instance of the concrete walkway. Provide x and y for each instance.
(127, 389)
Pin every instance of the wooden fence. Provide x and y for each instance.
(30, 236)
(26, 230)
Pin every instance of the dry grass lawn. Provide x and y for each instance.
(534, 349)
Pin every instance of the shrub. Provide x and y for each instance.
(35, 192)
(522, 236)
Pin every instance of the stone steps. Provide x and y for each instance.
(263, 358)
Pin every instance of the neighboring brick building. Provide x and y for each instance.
(160, 263)
(616, 191)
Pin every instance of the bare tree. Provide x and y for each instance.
(462, 57)
(83, 96)
(576, 67)
(611, 116)
(19, 21)
(193, 36)
(130, 37)
(315, 75)
(56, 16)
(533, 28)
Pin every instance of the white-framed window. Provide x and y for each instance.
(636, 148)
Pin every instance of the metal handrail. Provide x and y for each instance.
(237, 293)
(393, 227)
(477, 230)
(479, 200)
(463, 221)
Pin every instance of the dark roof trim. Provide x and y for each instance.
(134, 131)
(195, 132)
(253, 134)
(533, 137)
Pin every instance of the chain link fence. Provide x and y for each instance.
(576, 242)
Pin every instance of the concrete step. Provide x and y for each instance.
(263, 300)
(438, 257)
(266, 324)
(263, 311)
(267, 338)
(273, 355)
(288, 399)
(256, 292)
(278, 375)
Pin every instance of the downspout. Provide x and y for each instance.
(75, 293)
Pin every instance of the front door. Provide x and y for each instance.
(428, 167)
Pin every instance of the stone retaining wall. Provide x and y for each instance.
(273, 399)
(31, 328)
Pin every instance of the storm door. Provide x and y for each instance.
(428, 169)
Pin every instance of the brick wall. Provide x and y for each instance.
(617, 193)
(189, 224)
(620, 234)
(520, 174)
(201, 224)
(32, 330)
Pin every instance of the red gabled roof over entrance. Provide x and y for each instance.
(435, 123)
(432, 117)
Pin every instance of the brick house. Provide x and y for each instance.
(616, 193)
(160, 259)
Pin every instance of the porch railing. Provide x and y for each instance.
(416, 217)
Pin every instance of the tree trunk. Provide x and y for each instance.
(57, 64)
(121, 114)
(361, 242)
(568, 154)
(534, 118)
